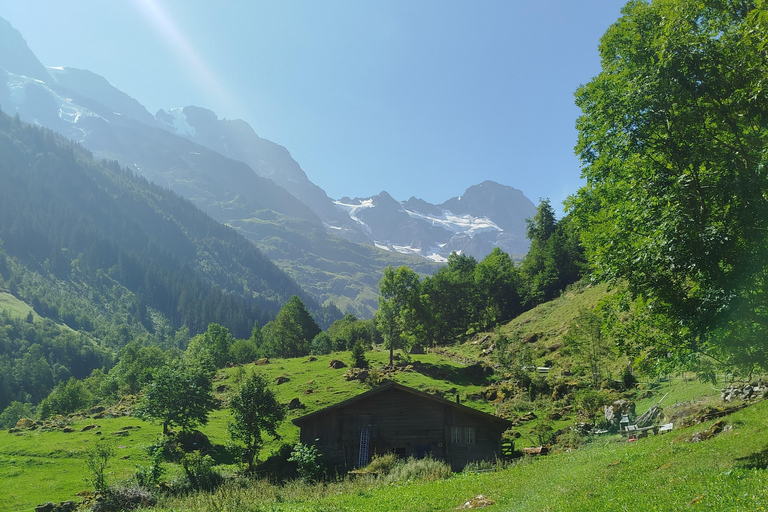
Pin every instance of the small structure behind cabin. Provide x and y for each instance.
(402, 420)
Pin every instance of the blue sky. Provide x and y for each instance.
(418, 97)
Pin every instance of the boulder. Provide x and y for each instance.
(262, 361)
(336, 364)
(296, 404)
(478, 501)
(26, 423)
(282, 379)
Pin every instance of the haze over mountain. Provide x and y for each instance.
(254, 185)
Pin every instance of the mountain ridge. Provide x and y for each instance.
(244, 181)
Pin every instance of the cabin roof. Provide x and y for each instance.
(393, 385)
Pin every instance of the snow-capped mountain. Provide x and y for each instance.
(488, 215)
(255, 185)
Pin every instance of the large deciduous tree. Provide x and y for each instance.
(399, 313)
(255, 410)
(178, 395)
(674, 145)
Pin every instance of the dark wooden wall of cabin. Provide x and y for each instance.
(403, 423)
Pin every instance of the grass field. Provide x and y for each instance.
(15, 307)
(662, 473)
(656, 473)
(37, 466)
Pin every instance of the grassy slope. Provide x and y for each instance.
(15, 307)
(663, 473)
(40, 466)
(29, 461)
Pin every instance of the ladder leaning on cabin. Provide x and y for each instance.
(365, 438)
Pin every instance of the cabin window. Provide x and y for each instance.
(463, 435)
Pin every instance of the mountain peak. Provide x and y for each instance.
(16, 56)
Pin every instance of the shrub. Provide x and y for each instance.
(243, 352)
(13, 413)
(475, 466)
(65, 398)
(149, 476)
(358, 355)
(321, 344)
(199, 471)
(307, 458)
(382, 464)
(419, 470)
(96, 460)
(571, 440)
(544, 433)
(124, 498)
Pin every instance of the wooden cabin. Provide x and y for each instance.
(396, 418)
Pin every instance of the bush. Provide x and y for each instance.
(321, 344)
(124, 498)
(419, 470)
(96, 460)
(475, 466)
(243, 352)
(544, 433)
(358, 355)
(307, 458)
(13, 413)
(65, 398)
(199, 471)
(571, 440)
(149, 476)
(382, 464)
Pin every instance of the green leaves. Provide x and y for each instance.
(254, 410)
(673, 145)
(400, 312)
(178, 395)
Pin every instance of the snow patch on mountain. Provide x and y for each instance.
(486, 216)
(351, 207)
(176, 121)
(458, 223)
(20, 88)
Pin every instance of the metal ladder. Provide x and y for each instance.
(365, 439)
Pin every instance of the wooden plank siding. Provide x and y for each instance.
(406, 422)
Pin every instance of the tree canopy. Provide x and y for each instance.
(255, 410)
(399, 308)
(673, 140)
(292, 331)
(179, 395)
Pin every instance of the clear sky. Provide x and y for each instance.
(416, 97)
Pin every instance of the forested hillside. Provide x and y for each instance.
(103, 257)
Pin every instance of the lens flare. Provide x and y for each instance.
(167, 28)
